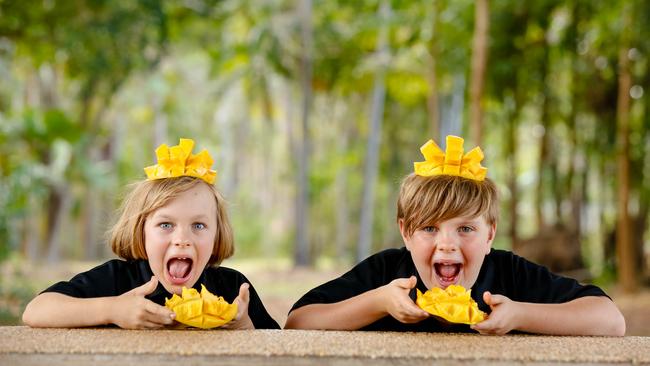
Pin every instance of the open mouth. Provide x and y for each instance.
(447, 273)
(179, 270)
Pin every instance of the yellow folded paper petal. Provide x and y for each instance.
(201, 310)
(178, 161)
(454, 304)
(452, 161)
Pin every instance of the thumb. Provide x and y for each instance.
(492, 300)
(242, 300)
(406, 283)
(147, 288)
(244, 294)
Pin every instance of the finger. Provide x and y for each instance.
(151, 325)
(145, 289)
(486, 326)
(411, 308)
(159, 314)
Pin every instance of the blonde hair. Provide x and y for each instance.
(127, 235)
(425, 201)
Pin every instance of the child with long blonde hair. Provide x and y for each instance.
(172, 233)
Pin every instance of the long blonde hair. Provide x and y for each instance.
(425, 201)
(127, 235)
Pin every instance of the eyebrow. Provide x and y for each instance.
(171, 218)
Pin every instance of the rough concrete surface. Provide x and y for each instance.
(21, 345)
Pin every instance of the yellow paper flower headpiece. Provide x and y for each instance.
(453, 304)
(201, 310)
(178, 161)
(452, 161)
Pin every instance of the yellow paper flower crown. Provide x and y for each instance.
(452, 161)
(178, 161)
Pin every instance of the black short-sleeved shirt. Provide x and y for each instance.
(116, 277)
(502, 273)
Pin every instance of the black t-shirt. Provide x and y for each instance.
(502, 273)
(116, 277)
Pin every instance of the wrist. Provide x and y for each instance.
(381, 300)
(519, 315)
(106, 308)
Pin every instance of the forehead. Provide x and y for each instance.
(198, 200)
(462, 220)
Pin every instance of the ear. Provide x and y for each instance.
(405, 237)
(492, 231)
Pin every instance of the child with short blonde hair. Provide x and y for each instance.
(447, 213)
(172, 233)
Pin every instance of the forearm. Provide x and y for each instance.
(590, 315)
(350, 314)
(52, 309)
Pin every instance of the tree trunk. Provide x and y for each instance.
(432, 97)
(624, 247)
(544, 148)
(511, 153)
(302, 252)
(58, 206)
(159, 123)
(342, 196)
(479, 64)
(268, 173)
(374, 138)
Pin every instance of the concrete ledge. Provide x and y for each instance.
(111, 346)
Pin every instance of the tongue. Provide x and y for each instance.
(448, 270)
(179, 267)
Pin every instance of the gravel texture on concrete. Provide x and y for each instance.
(328, 345)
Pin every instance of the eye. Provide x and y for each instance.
(165, 226)
(199, 226)
(429, 229)
(465, 229)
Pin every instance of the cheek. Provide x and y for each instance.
(422, 252)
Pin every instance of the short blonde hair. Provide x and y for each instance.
(127, 235)
(425, 201)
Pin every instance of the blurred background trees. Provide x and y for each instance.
(314, 110)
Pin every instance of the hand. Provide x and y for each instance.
(398, 303)
(132, 311)
(242, 320)
(503, 317)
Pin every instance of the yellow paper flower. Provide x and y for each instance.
(201, 310)
(177, 161)
(453, 304)
(452, 161)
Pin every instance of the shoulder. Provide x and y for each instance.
(224, 271)
(383, 267)
(225, 275)
(392, 256)
(502, 258)
(114, 266)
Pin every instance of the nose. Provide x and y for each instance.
(182, 243)
(446, 242)
(182, 239)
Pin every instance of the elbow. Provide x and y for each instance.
(28, 317)
(615, 325)
(291, 322)
(618, 325)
